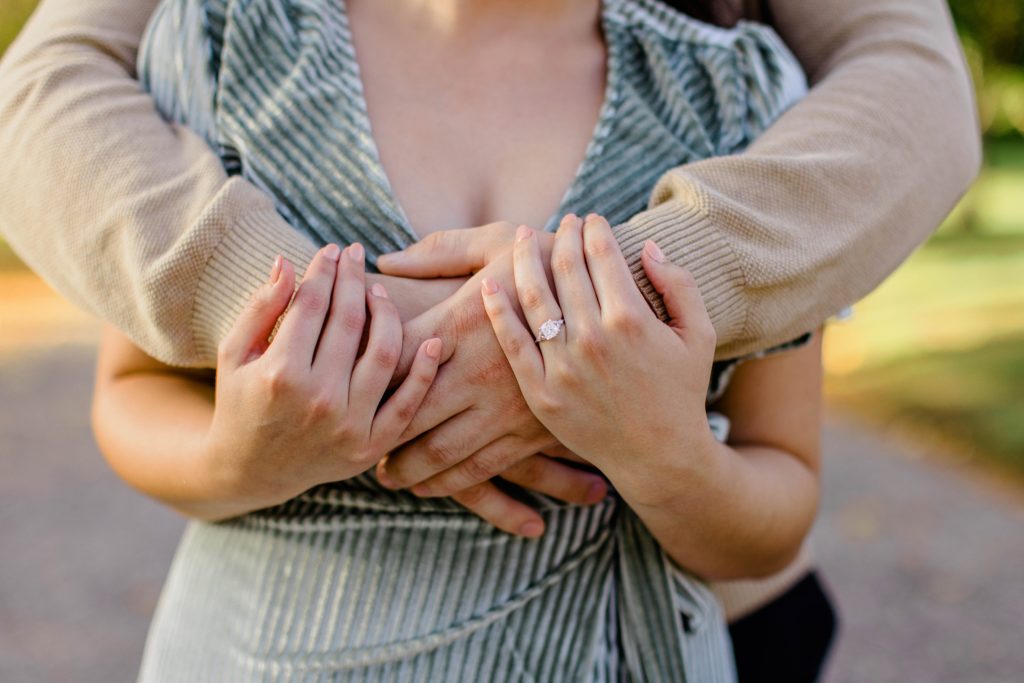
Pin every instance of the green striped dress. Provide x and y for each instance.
(350, 581)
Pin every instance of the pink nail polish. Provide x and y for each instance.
(654, 251)
(275, 272)
(433, 348)
(523, 232)
(489, 286)
(356, 252)
(332, 252)
(421, 490)
(532, 529)
(379, 291)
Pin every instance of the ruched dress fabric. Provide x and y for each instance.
(350, 581)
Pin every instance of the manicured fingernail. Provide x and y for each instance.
(591, 217)
(597, 493)
(393, 256)
(523, 232)
(532, 529)
(489, 286)
(570, 218)
(275, 272)
(379, 291)
(356, 252)
(421, 490)
(654, 251)
(433, 348)
(332, 252)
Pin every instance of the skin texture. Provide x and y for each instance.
(299, 411)
(627, 392)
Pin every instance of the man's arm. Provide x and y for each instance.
(824, 205)
(126, 215)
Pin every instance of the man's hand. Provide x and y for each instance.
(474, 423)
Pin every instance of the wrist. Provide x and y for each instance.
(661, 476)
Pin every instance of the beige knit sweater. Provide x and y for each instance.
(134, 219)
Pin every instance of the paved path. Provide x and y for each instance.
(929, 570)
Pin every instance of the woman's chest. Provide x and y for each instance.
(466, 137)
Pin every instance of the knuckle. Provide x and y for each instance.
(353, 319)
(311, 301)
(278, 380)
(624, 322)
(563, 264)
(386, 355)
(438, 455)
(320, 406)
(530, 297)
(550, 404)
(601, 247)
(591, 344)
(565, 376)
(529, 472)
(474, 496)
(479, 469)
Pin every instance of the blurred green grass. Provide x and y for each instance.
(939, 347)
(13, 14)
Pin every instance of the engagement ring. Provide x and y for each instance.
(549, 330)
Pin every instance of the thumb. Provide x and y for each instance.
(449, 253)
(678, 289)
(249, 336)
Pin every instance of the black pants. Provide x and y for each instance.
(788, 640)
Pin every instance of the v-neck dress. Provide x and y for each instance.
(351, 581)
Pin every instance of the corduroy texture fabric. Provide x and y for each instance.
(354, 582)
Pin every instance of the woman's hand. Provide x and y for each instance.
(616, 385)
(303, 409)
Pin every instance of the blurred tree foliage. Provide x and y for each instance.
(992, 33)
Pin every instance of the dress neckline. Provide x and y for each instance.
(606, 114)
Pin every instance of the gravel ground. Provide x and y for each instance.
(926, 565)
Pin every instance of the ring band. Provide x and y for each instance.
(550, 329)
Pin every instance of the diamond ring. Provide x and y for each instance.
(549, 330)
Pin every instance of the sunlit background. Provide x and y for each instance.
(921, 532)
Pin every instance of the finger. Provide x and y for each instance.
(516, 342)
(439, 449)
(249, 336)
(616, 289)
(300, 330)
(396, 414)
(493, 505)
(374, 370)
(558, 480)
(572, 280)
(488, 462)
(677, 287)
(343, 332)
(535, 296)
(448, 253)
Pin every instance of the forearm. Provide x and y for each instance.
(152, 428)
(725, 512)
(128, 216)
(829, 200)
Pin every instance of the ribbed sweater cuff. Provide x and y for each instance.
(689, 239)
(239, 264)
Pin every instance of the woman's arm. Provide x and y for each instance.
(290, 414)
(627, 392)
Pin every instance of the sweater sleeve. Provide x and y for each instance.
(128, 216)
(838, 192)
